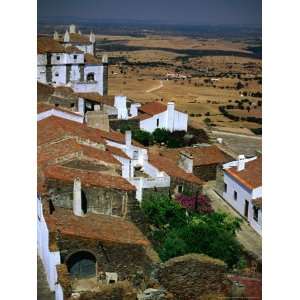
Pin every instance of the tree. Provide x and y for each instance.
(161, 135)
(143, 137)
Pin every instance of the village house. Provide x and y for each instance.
(64, 65)
(155, 115)
(201, 161)
(243, 188)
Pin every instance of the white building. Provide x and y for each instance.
(157, 115)
(243, 189)
(67, 64)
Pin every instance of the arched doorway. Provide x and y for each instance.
(90, 77)
(82, 264)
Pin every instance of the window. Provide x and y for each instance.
(255, 213)
(56, 74)
(90, 77)
(225, 187)
(235, 195)
(75, 56)
(180, 189)
(157, 122)
(57, 57)
(135, 154)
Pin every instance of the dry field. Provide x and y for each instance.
(200, 99)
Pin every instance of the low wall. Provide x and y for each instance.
(194, 276)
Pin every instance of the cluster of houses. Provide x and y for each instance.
(92, 179)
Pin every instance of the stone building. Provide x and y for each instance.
(155, 115)
(201, 161)
(64, 65)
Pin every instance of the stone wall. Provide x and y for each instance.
(206, 173)
(194, 276)
(97, 200)
(187, 186)
(125, 259)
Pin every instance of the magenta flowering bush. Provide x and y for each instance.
(200, 204)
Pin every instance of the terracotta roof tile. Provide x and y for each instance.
(73, 49)
(251, 176)
(51, 152)
(117, 151)
(153, 108)
(201, 155)
(169, 166)
(88, 178)
(95, 226)
(79, 38)
(91, 59)
(253, 286)
(42, 107)
(54, 128)
(49, 45)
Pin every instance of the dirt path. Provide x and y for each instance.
(250, 240)
(161, 84)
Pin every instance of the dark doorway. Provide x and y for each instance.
(246, 208)
(84, 204)
(82, 264)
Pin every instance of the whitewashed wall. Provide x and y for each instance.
(61, 71)
(98, 76)
(49, 259)
(86, 48)
(120, 104)
(41, 74)
(178, 121)
(71, 60)
(242, 194)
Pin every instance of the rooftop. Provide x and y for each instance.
(44, 91)
(55, 128)
(95, 226)
(91, 60)
(251, 176)
(170, 167)
(49, 45)
(153, 108)
(42, 107)
(88, 178)
(117, 151)
(51, 152)
(206, 155)
(73, 49)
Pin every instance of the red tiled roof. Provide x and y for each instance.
(169, 166)
(88, 178)
(49, 45)
(54, 128)
(95, 226)
(79, 38)
(91, 59)
(201, 155)
(56, 150)
(73, 49)
(251, 176)
(153, 108)
(42, 107)
(117, 151)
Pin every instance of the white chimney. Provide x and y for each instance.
(97, 107)
(67, 36)
(128, 138)
(241, 162)
(92, 37)
(72, 28)
(77, 210)
(55, 36)
(79, 32)
(186, 161)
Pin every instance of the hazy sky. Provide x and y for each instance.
(208, 12)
